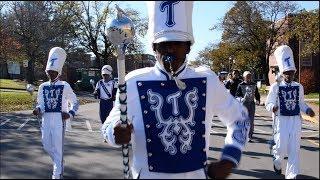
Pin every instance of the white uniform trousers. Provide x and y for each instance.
(53, 130)
(287, 139)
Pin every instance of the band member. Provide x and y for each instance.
(170, 106)
(57, 103)
(233, 82)
(105, 91)
(248, 91)
(286, 100)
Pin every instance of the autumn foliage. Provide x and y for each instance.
(307, 80)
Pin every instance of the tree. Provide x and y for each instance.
(89, 25)
(204, 57)
(272, 11)
(305, 27)
(226, 56)
(10, 48)
(245, 29)
(247, 26)
(37, 26)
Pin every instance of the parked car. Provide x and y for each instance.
(86, 77)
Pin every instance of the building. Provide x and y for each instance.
(137, 61)
(133, 62)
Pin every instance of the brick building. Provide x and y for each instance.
(133, 61)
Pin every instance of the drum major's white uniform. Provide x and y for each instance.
(164, 147)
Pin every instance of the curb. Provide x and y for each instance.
(17, 89)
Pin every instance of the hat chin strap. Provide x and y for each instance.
(55, 79)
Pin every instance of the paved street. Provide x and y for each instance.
(87, 157)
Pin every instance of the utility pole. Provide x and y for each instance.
(299, 62)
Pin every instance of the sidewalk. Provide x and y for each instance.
(314, 107)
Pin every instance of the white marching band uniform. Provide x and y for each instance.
(171, 127)
(105, 92)
(54, 98)
(290, 100)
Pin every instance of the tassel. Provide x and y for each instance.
(181, 85)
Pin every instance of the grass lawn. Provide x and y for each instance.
(12, 83)
(312, 96)
(262, 90)
(15, 101)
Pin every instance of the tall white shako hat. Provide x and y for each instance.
(170, 21)
(284, 58)
(57, 57)
(106, 69)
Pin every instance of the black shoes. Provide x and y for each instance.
(276, 170)
(274, 167)
(250, 139)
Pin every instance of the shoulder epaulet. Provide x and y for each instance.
(138, 72)
(204, 70)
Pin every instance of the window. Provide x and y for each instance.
(261, 76)
(306, 61)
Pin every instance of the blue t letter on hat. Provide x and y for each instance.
(52, 61)
(170, 11)
(287, 60)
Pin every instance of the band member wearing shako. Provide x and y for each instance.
(171, 106)
(289, 96)
(105, 91)
(248, 91)
(54, 98)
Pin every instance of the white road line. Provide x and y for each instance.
(24, 123)
(263, 117)
(82, 131)
(28, 130)
(312, 135)
(307, 125)
(313, 142)
(4, 122)
(308, 131)
(89, 126)
(217, 132)
(68, 126)
(262, 131)
(36, 130)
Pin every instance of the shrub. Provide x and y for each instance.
(308, 80)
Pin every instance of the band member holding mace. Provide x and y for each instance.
(170, 106)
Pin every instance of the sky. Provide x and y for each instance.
(205, 15)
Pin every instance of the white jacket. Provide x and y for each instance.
(55, 98)
(273, 98)
(189, 115)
